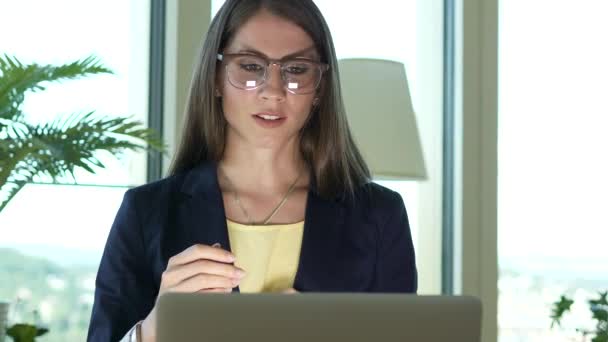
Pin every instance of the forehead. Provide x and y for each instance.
(271, 35)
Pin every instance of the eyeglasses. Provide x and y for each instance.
(247, 71)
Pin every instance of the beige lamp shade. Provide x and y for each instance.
(381, 117)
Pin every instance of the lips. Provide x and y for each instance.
(269, 119)
(269, 116)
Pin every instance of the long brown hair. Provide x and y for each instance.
(326, 143)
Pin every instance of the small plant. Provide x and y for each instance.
(599, 310)
(25, 332)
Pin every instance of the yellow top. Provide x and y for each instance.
(269, 254)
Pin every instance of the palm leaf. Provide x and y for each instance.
(559, 309)
(57, 148)
(16, 79)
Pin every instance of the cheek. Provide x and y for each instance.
(301, 105)
(236, 101)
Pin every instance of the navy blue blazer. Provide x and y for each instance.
(360, 244)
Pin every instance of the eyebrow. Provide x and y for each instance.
(307, 52)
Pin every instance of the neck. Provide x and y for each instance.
(267, 169)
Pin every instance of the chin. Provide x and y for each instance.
(269, 142)
(274, 141)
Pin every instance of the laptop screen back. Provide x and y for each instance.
(318, 317)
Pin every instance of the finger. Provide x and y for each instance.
(176, 274)
(200, 251)
(203, 282)
(290, 291)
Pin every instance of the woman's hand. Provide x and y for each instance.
(200, 268)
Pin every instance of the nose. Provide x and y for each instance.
(273, 88)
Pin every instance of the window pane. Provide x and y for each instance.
(52, 236)
(63, 31)
(552, 183)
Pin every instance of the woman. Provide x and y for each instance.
(267, 193)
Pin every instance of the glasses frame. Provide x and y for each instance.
(225, 57)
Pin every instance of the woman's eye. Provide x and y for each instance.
(251, 67)
(297, 69)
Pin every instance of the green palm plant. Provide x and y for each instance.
(58, 147)
(599, 311)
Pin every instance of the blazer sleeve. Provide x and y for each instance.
(124, 293)
(396, 261)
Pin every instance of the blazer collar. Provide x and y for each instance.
(204, 210)
(323, 220)
(202, 181)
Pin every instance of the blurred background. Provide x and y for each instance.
(550, 87)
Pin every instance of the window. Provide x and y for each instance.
(53, 235)
(552, 164)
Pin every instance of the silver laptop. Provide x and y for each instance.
(317, 317)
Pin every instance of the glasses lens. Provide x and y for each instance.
(249, 72)
(301, 76)
(246, 71)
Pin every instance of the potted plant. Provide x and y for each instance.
(55, 149)
(22, 332)
(58, 147)
(599, 311)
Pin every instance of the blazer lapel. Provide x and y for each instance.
(203, 211)
(203, 214)
(323, 220)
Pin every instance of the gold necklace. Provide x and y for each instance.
(274, 211)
